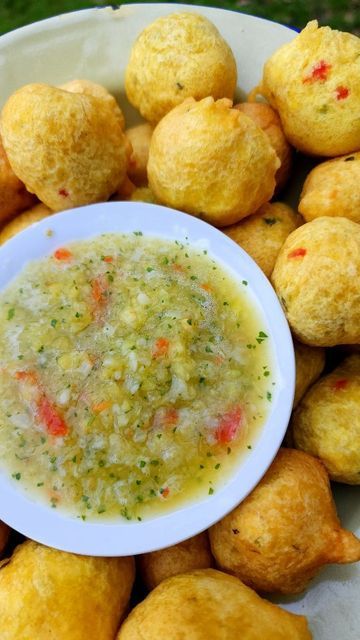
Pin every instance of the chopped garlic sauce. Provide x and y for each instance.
(135, 373)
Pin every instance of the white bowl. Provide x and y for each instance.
(119, 537)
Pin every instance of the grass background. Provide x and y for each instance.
(342, 14)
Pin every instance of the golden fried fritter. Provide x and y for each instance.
(178, 56)
(13, 195)
(316, 278)
(314, 83)
(263, 234)
(210, 605)
(212, 161)
(333, 189)
(23, 220)
(277, 539)
(268, 120)
(327, 421)
(46, 593)
(68, 148)
(189, 555)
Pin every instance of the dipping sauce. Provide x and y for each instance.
(135, 373)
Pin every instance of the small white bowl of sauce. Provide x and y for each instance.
(147, 375)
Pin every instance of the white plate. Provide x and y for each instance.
(95, 44)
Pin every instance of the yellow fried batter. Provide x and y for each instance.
(333, 189)
(13, 195)
(316, 278)
(314, 84)
(186, 556)
(143, 194)
(25, 219)
(212, 161)
(46, 594)
(139, 138)
(327, 421)
(68, 148)
(268, 120)
(309, 365)
(175, 57)
(210, 605)
(97, 91)
(263, 234)
(285, 530)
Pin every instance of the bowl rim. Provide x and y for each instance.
(58, 530)
(79, 15)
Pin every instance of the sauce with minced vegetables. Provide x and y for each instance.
(135, 373)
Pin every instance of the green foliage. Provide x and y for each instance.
(341, 14)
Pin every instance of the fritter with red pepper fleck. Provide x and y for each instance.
(263, 234)
(314, 84)
(68, 148)
(327, 421)
(316, 278)
(279, 537)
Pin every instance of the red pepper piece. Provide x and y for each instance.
(46, 410)
(108, 258)
(229, 425)
(297, 253)
(171, 416)
(342, 92)
(63, 254)
(319, 72)
(340, 384)
(161, 347)
(64, 193)
(99, 287)
(165, 492)
(48, 414)
(26, 375)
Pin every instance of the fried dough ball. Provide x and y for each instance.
(139, 138)
(25, 219)
(97, 91)
(314, 84)
(263, 234)
(143, 194)
(210, 605)
(333, 189)
(4, 536)
(277, 539)
(316, 278)
(189, 555)
(68, 148)
(268, 120)
(175, 57)
(13, 195)
(212, 161)
(309, 363)
(46, 593)
(327, 421)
